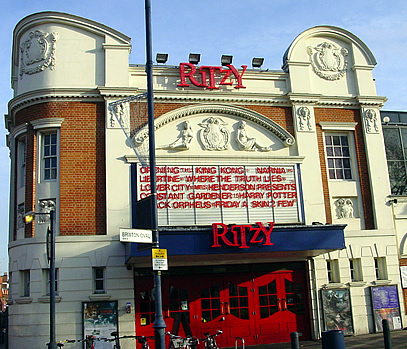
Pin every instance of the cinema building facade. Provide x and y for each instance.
(272, 190)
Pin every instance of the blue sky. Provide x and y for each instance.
(245, 29)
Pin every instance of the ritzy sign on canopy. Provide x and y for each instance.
(210, 76)
(242, 235)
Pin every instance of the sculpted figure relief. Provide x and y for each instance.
(247, 143)
(183, 142)
(345, 207)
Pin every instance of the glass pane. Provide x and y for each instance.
(273, 300)
(263, 289)
(392, 143)
(348, 174)
(288, 286)
(242, 291)
(272, 287)
(234, 302)
(264, 312)
(328, 140)
(215, 313)
(244, 314)
(344, 140)
(345, 151)
(205, 303)
(398, 177)
(206, 316)
(263, 300)
(216, 303)
(233, 290)
(332, 174)
(329, 151)
(234, 312)
(244, 302)
(336, 140)
(338, 163)
(338, 174)
(338, 151)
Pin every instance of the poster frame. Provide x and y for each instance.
(95, 329)
(327, 314)
(388, 315)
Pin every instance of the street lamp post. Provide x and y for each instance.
(159, 323)
(28, 218)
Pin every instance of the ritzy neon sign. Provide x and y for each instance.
(242, 235)
(210, 76)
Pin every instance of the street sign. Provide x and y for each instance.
(136, 235)
(160, 261)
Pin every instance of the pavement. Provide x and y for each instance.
(368, 341)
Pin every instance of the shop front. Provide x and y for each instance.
(260, 293)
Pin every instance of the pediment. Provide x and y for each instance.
(221, 129)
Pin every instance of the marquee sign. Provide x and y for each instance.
(191, 195)
(242, 235)
(210, 76)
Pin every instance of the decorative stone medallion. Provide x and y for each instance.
(328, 61)
(38, 52)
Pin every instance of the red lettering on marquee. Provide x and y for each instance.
(212, 70)
(220, 231)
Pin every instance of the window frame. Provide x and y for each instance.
(47, 291)
(97, 280)
(380, 267)
(350, 157)
(332, 271)
(53, 156)
(402, 144)
(25, 283)
(21, 161)
(355, 268)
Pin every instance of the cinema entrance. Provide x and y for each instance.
(260, 303)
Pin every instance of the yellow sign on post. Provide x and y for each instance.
(160, 261)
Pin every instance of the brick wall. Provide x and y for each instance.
(346, 115)
(82, 204)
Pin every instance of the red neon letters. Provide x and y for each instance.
(220, 232)
(213, 72)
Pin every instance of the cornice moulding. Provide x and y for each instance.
(52, 94)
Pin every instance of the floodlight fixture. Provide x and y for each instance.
(226, 59)
(162, 58)
(257, 62)
(194, 58)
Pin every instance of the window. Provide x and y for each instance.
(47, 283)
(380, 268)
(99, 280)
(332, 267)
(355, 267)
(395, 140)
(338, 156)
(25, 283)
(21, 159)
(49, 156)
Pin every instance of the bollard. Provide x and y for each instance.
(333, 339)
(295, 343)
(386, 334)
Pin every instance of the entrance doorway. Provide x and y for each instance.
(259, 307)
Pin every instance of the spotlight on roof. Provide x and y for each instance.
(226, 59)
(162, 57)
(194, 58)
(257, 62)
